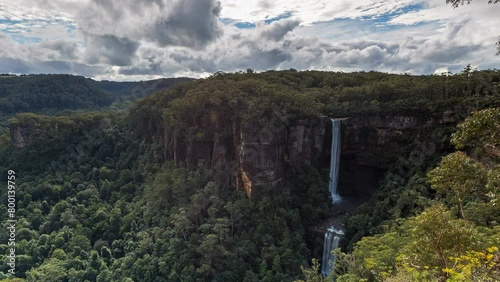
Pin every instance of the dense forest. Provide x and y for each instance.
(102, 196)
(43, 92)
(59, 94)
(124, 91)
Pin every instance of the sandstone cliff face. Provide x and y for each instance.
(367, 146)
(249, 155)
(265, 152)
(20, 135)
(254, 155)
(371, 144)
(365, 136)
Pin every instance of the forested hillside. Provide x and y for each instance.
(56, 94)
(454, 233)
(105, 196)
(133, 90)
(37, 93)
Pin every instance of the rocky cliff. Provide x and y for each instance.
(254, 155)
(20, 135)
(250, 155)
(371, 144)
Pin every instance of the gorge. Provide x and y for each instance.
(231, 178)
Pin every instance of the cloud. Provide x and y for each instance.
(11, 65)
(192, 23)
(309, 11)
(441, 71)
(129, 39)
(61, 49)
(448, 54)
(188, 23)
(265, 4)
(372, 56)
(440, 13)
(20, 66)
(277, 30)
(110, 49)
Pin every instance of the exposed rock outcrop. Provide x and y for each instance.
(249, 154)
(20, 135)
(365, 136)
(254, 155)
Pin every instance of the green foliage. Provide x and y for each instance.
(101, 198)
(133, 90)
(435, 236)
(481, 128)
(425, 247)
(195, 109)
(475, 265)
(460, 178)
(435, 245)
(313, 274)
(309, 194)
(50, 92)
(378, 253)
(52, 270)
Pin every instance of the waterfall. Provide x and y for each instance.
(332, 235)
(332, 239)
(335, 160)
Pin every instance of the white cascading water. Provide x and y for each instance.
(335, 160)
(332, 235)
(332, 239)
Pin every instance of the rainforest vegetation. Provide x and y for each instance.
(99, 199)
(59, 94)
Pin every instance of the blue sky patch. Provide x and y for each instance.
(3, 21)
(244, 25)
(226, 20)
(25, 39)
(247, 25)
(285, 15)
(385, 18)
(238, 24)
(22, 31)
(355, 29)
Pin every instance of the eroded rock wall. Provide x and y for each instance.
(254, 155)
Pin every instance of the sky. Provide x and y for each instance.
(129, 40)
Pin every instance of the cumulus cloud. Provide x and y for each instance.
(129, 39)
(189, 23)
(11, 65)
(277, 30)
(19, 65)
(192, 23)
(110, 49)
(60, 49)
(310, 11)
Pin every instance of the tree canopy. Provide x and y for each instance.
(100, 200)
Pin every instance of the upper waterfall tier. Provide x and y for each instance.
(335, 160)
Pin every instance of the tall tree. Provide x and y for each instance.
(458, 177)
